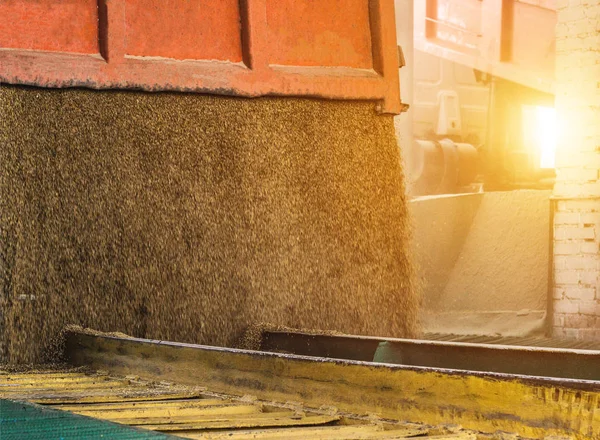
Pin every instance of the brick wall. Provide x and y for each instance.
(577, 189)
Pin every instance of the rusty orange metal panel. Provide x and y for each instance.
(184, 29)
(70, 26)
(511, 39)
(457, 22)
(330, 48)
(533, 48)
(313, 38)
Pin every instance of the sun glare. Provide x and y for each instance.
(545, 135)
(540, 134)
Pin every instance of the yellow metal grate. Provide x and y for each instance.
(196, 413)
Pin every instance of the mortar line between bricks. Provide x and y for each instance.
(560, 198)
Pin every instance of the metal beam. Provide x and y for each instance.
(530, 361)
(531, 406)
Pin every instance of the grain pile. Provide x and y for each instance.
(187, 217)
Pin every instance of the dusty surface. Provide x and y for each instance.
(483, 261)
(252, 337)
(195, 411)
(505, 323)
(39, 368)
(187, 217)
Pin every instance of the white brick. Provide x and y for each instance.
(567, 189)
(570, 14)
(576, 86)
(566, 248)
(579, 59)
(579, 321)
(564, 277)
(560, 261)
(588, 277)
(562, 4)
(559, 332)
(577, 222)
(590, 143)
(589, 308)
(592, 10)
(572, 333)
(567, 218)
(590, 189)
(577, 174)
(566, 306)
(574, 233)
(589, 334)
(568, 157)
(568, 44)
(579, 206)
(558, 320)
(590, 218)
(581, 262)
(590, 247)
(558, 293)
(582, 28)
(580, 293)
(576, 189)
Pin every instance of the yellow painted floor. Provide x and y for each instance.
(196, 413)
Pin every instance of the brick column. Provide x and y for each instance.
(577, 189)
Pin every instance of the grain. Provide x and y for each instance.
(187, 217)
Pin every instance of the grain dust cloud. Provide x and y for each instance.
(188, 218)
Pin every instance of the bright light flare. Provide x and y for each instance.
(541, 132)
(546, 135)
